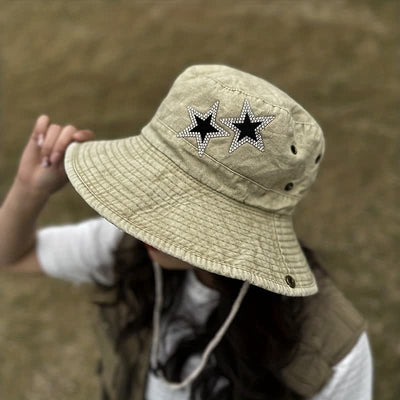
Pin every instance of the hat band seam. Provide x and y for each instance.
(219, 163)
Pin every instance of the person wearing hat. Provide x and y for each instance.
(203, 290)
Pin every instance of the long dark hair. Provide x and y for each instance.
(262, 339)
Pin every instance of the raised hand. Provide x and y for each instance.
(40, 173)
(41, 168)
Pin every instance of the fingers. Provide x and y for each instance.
(63, 140)
(41, 125)
(56, 140)
(51, 137)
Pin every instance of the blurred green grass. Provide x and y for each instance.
(106, 65)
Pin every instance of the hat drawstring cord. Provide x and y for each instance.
(211, 345)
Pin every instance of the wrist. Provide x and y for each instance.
(23, 203)
(21, 191)
(18, 216)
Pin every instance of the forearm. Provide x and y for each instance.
(18, 216)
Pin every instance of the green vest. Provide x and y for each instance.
(331, 329)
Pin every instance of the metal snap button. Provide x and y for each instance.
(290, 281)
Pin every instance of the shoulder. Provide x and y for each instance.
(335, 318)
(332, 327)
(352, 377)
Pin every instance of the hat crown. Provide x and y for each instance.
(240, 135)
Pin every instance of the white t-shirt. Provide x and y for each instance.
(80, 252)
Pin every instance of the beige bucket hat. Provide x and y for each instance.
(213, 178)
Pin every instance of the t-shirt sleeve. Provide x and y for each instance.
(79, 253)
(352, 378)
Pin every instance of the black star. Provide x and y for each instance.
(247, 128)
(203, 127)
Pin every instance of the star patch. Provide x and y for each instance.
(247, 127)
(203, 127)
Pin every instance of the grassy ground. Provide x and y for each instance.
(107, 64)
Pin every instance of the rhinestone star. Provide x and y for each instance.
(247, 127)
(203, 127)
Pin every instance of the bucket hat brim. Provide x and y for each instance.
(136, 187)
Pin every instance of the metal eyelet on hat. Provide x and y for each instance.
(290, 281)
(293, 148)
(317, 159)
(289, 186)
